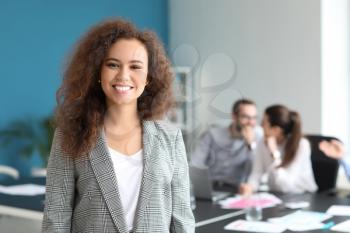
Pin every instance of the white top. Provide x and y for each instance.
(128, 170)
(297, 177)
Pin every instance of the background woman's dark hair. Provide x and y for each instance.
(81, 101)
(290, 123)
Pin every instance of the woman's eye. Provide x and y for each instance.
(112, 65)
(135, 67)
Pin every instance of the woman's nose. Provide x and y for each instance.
(123, 74)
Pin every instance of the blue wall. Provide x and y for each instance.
(36, 35)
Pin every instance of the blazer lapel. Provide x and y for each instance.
(103, 169)
(148, 178)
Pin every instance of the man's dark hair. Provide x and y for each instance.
(238, 103)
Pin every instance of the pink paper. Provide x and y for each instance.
(245, 203)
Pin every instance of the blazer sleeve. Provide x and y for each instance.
(182, 216)
(60, 185)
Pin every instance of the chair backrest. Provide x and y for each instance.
(325, 169)
(10, 171)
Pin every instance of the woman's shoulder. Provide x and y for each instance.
(304, 142)
(304, 147)
(162, 127)
(57, 135)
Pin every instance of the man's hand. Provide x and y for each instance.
(333, 149)
(245, 189)
(248, 134)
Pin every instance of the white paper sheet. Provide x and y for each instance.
(302, 220)
(243, 225)
(297, 205)
(340, 210)
(342, 227)
(23, 189)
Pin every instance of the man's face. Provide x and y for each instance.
(246, 116)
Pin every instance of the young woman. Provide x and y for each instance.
(283, 154)
(113, 166)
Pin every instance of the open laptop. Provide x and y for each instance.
(202, 185)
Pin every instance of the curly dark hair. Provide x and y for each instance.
(80, 99)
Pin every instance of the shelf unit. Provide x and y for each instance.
(183, 115)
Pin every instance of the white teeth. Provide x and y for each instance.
(122, 88)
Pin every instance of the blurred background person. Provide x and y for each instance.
(336, 150)
(228, 151)
(284, 155)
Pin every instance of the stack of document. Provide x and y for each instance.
(243, 225)
(342, 227)
(339, 210)
(302, 220)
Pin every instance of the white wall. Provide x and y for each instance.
(335, 69)
(266, 50)
(335, 74)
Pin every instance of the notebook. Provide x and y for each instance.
(202, 185)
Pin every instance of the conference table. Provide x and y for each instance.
(210, 217)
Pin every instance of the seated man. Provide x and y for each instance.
(228, 151)
(336, 150)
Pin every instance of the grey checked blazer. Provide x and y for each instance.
(82, 194)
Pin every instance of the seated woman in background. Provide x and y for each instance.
(283, 155)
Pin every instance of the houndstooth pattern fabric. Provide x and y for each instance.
(82, 194)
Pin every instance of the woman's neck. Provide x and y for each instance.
(121, 118)
(123, 129)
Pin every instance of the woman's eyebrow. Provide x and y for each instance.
(117, 60)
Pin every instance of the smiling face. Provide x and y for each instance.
(124, 72)
(270, 131)
(246, 116)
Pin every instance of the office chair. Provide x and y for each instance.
(10, 171)
(325, 169)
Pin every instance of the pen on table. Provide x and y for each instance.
(328, 225)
